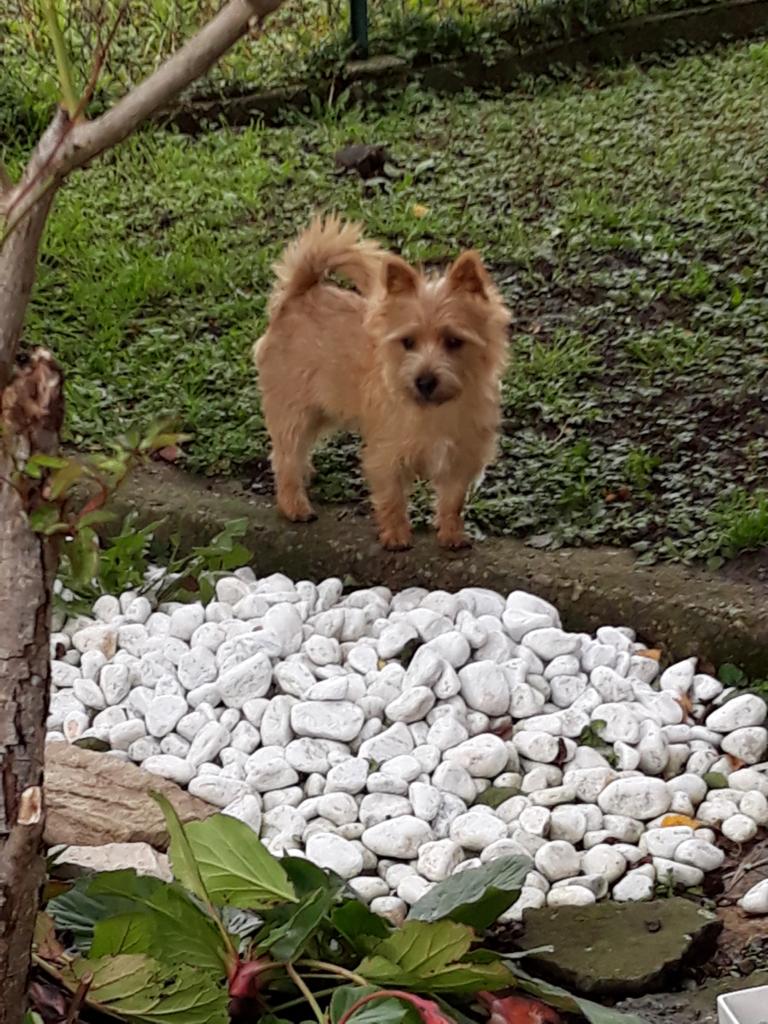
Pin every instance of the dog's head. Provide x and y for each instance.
(437, 337)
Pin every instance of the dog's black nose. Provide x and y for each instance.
(426, 384)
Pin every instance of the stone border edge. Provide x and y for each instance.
(657, 33)
(681, 610)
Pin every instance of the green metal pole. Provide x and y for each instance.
(358, 20)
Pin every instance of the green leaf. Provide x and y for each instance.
(561, 999)
(37, 463)
(96, 518)
(185, 867)
(416, 951)
(306, 877)
(731, 675)
(495, 796)
(358, 925)
(165, 924)
(83, 555)
(233, 866)
(715, 780)
(65, 477)
(381, 1011)
(143, 989)
(476, 897)
(287, 941)
(77, 911)
(46, 520)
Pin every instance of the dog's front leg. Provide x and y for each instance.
(451, 495)
(389, 484)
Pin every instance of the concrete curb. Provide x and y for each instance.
(684, 611)
(361, 80)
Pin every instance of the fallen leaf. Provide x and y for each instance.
(670, 820)
(686, 703)
(419, 211)
(653, 653)
(172, 453)
(518, 1010)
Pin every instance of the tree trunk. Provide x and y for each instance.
(31, 412)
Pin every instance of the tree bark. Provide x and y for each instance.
(30, 417)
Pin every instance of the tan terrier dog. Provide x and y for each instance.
(413, 362)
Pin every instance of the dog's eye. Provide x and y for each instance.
(452, 343)
(408, 344)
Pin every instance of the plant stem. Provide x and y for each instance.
(63, 63)
(334, 969)
(302, 986)
(279, 1007)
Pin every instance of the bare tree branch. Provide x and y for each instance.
(78, 143)
(185, 66)
(18, 256)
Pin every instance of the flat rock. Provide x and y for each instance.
(139, 857)
(623, 948)
(93, 800)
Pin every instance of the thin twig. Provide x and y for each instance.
(98, 62)
(305, 991)
(63, 63)
(79, 998)
(743, 869)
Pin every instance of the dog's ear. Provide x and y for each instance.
(399, 277)
(469, 275)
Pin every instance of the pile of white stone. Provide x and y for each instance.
(360, 730)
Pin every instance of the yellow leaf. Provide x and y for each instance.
(419, 211)
(670, 820)
(654, 655)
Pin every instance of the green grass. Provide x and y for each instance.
(625, 219)
(307, 40)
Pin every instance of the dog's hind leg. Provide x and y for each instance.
(293, 433)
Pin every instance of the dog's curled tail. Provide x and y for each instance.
(326, 246)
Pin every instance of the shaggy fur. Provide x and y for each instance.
(413, 362)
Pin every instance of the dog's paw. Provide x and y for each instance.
(454, 540)
(396, 539)
(300, 512)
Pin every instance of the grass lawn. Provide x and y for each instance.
(625, 218)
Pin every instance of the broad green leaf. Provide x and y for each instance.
(561, 999)
(83, 555)
(145, 990)
(37, 463)
(77, 911)
(306, 877)
(234, 867)
(165, 924)
(287, 941)
(380, 1011)
(46, 519)
(96, 518)
(65, 477)
(186, 870)
(416, 951)
(467, 977)
(31, 1017)
(358, 925)
(476, 897)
